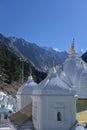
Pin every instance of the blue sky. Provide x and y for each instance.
(51, 23)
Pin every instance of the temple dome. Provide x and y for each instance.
(54, 85)
(76, 70)
(73, 65)
(27, 87)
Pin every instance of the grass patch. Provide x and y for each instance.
(81, 115)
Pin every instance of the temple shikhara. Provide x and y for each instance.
(53, 103)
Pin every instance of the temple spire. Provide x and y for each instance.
(71, 49)
(53, 66)
(30, 71)
(30, 78)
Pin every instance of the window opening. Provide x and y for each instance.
(59, 116)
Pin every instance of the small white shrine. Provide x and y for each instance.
(24, 93)
(54, 104)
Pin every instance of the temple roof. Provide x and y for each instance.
(27, 87)
(54, 85)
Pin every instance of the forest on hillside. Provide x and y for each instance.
(11, 68)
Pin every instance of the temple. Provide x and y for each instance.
(52, 104)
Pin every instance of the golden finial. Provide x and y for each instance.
(71, 49)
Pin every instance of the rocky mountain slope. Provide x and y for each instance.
(11, 70)
(40, 57)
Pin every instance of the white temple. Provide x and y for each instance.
(76, 71)
(54, 104)
(54, 99)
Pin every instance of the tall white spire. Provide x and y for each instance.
(53, 66)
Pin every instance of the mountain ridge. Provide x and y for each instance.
(40, 57)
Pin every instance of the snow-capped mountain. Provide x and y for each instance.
(40, 57)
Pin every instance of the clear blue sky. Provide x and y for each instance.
(52, 23)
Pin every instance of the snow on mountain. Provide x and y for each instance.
(81, 52)
(51, 49)
(56, 49)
